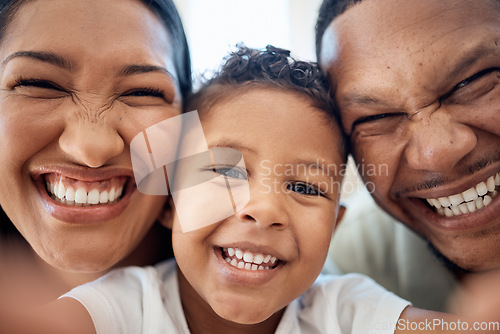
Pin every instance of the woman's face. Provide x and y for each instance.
(78, 80)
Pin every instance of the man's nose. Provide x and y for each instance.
(438, 143)
(91, 143)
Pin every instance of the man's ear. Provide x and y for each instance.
(167, 215)
(340, 214)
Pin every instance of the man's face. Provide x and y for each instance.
(418, 85)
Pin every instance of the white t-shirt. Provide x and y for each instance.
(370, 242)
(146, 300)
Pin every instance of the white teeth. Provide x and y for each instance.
(469, 194)
(248, 257)
(111, 195)
(471, 206)
(456, 199)
(103, 197)
(490, 184)
(93, 196)
(70, 194)
(239, 254)
(470, 200)
(463, 208)
(80, 197)
(444, 201)
(258, 258)
(479, 203)
(482, 189)
(247, 260)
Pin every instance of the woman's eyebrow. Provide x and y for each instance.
(140, 69)
(47, 57)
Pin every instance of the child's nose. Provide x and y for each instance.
(266, 209)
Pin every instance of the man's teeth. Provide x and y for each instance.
(248, 260)
(81, 197)
(468, 201)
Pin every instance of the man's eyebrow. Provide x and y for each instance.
(47, 57)
(470, 58)
(140, 69)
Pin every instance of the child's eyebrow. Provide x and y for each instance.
(329, 169)
(224, 143)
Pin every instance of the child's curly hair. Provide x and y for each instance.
(273, 67)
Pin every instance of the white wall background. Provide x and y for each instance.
(213, 27)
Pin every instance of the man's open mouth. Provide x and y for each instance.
(243, 259)
(75, 192)
(472, 199)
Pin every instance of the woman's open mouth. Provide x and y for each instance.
(74, 192)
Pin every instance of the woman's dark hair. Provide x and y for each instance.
(273, 67)
(164, 9)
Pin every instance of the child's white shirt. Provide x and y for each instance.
(146, 300)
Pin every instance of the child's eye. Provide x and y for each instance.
(232, 172)
(304, 189)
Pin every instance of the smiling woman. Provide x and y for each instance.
(78, 80)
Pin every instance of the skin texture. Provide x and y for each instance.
(274, 127)
(80, 123)
(404, 60)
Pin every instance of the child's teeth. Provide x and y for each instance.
(239, 254)
(258, 258)
(248, 257)
(248, 260)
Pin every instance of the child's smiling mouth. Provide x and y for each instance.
(243, 259)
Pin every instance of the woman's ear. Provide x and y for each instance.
(340, 214)
(167, 214)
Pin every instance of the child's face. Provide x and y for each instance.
(289, 149)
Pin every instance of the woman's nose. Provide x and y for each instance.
(91, 144)
(437, 143)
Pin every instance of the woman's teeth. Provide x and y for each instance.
(248, 260)
(80, 196)
(468, 201)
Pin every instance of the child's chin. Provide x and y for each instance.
(244, 317)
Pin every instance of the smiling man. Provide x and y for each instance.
(418, 86)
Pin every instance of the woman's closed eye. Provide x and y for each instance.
(39, 88)
(154, 92)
